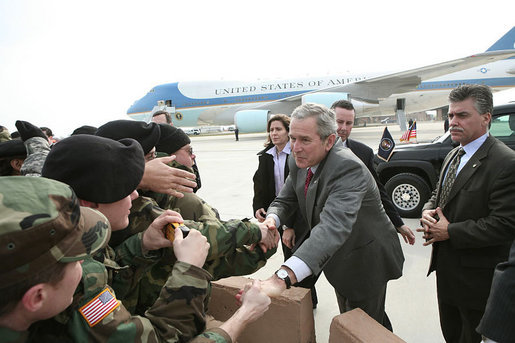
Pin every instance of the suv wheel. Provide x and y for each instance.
(409, 192)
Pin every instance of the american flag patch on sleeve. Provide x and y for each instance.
(99, 307)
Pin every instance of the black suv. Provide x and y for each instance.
(413, 170)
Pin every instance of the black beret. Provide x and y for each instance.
(98, 169)
(172, 139)
(12, 148)
(84, 130)
(146, 134)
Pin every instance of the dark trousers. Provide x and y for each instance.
(373, 306)
(459, 323)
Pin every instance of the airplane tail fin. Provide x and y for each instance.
(507, 42)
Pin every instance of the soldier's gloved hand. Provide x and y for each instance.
(27, 130)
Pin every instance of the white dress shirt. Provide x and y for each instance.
(299, 267)
(279, 164)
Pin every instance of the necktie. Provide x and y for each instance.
(308, 179)
(450, 178)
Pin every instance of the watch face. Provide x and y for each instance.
(281, 273)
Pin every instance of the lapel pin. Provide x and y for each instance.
(474, 165)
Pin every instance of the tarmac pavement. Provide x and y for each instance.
(227, 167)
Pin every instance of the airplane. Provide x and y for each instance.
(249, 105)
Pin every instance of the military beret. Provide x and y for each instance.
(146, 134)
(42, 224)
(12, 148)
(84, 130)
(172, 139)
(98, 169)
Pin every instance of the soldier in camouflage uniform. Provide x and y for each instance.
(96, 314)
(44, 234)
(228, 255)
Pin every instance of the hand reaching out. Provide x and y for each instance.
(160, 177)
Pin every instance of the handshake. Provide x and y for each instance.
(269, 235)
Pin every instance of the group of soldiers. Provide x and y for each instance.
(84, 247)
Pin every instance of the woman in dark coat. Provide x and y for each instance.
(272, 169)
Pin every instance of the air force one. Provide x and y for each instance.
(249, 105)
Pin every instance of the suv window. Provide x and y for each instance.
(503, 128)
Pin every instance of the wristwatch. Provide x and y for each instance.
(283, 275)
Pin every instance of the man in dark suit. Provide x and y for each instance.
(470, 219)
(344, 114)
(337, 197)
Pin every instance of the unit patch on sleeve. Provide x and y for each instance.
(99, 307)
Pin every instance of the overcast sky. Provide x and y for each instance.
(66, 63)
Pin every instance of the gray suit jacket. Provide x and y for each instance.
(350, 237)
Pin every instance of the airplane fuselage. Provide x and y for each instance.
(215, 102)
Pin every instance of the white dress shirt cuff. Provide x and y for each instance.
(276, 218)
(299, 268)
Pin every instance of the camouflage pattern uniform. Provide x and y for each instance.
(177, 313)
(228, 254)
(37, 151)
(176, 316)
(42, 224)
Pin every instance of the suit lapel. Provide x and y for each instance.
(473, 164)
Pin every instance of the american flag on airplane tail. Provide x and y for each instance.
(410, 133)
(99, 307)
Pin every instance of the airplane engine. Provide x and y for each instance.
(251, 120)
(326, 99)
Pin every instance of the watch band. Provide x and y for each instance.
(283, 275)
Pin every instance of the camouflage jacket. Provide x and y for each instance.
(228, 254)
(37, 151)
(96, 314)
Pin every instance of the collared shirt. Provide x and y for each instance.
(470, 149)
(299, 267)
(279, 164)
